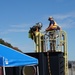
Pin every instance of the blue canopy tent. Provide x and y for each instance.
(10, 58)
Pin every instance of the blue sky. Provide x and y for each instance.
(17, 16)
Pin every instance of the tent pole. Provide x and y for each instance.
(37, 70)
(4, 70)
(3, 67)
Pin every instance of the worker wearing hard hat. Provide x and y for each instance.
(52, 25)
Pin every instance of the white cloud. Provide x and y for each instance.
(7, 31)
(64, 16)
(19, 26)
(3, 32)
(17, 30)
(66, 20)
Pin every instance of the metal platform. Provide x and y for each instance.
(55, 65)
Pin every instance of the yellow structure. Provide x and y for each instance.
(55, 41)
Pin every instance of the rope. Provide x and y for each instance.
(49, 69)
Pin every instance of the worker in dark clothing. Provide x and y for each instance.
(52, 25)
(37, 36)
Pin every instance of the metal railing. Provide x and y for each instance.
(54, 40)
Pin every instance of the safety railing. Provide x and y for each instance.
(54, 40)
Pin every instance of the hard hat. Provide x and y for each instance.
(50, 17)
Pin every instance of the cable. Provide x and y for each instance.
(49, 69)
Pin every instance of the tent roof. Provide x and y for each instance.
(11, 57)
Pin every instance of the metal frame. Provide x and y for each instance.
(60, 38)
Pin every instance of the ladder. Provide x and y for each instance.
(63, 41)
